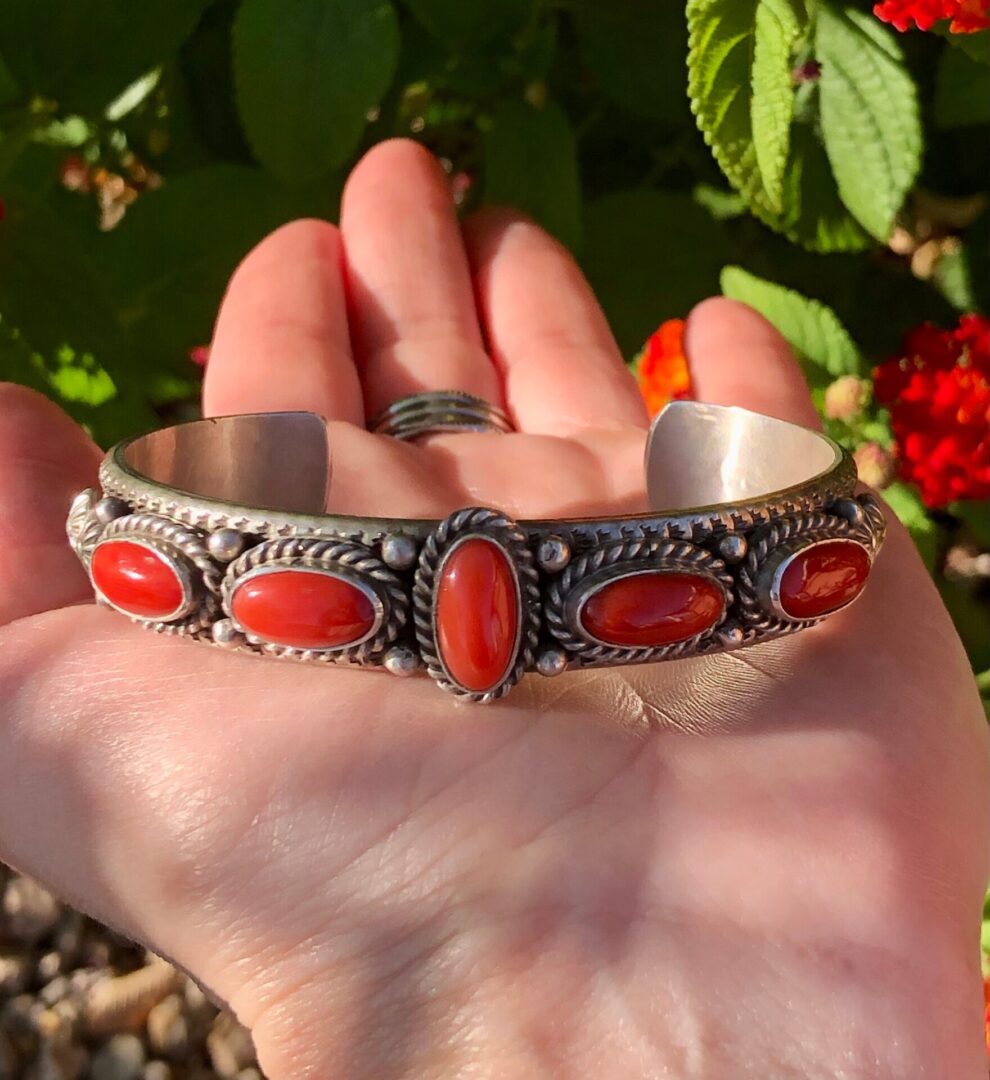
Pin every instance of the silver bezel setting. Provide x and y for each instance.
(774, 546)
(341, 559)
(782, 558)
(477, 523)
(184, 551)
(567, 595)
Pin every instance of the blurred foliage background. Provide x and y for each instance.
(800, 155)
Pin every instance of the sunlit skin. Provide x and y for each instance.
(768, 864)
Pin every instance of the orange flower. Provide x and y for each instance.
(662, 368)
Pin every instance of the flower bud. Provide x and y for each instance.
(875, 465)
(845, 398)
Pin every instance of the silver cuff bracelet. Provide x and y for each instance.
(218, 530)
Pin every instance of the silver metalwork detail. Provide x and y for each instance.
(83, 527)
(612, 561)
(106, 510)
(399, 551)
(731, 637)
(225, 544)
(850, 510)
(551, 662)
(186, 553)
(553, 554)
(226, 633)
(484, 524)
(342, 559)
(401, 660)
(732, 547)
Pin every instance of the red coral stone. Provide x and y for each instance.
(477, 614)
(303, 609)
(136, 579)
(823, 578)
(658, 608)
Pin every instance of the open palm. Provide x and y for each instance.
(766, 864)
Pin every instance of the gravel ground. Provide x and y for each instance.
(79, 1002)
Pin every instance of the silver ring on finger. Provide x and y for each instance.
(439, 411)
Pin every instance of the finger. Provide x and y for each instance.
(737, 358)
(281, 339)
(409, 288)
(561, 367)
(46, 459)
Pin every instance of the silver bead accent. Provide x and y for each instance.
(733, 547)
(551, 662)
(398, 551)
(553, 554)
(850, 510)
(732, 637)
(226, 634)
(225, 544)
(109, 509)
(401, 661)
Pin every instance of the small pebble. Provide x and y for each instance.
(27, 910)
(157, 1070)
(15, 973)
(54, 990)
(120, 1058)
(168, 1029)
(230, 1047)
(49, 966)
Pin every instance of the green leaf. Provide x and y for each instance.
(49, 289)
(531, 164)
(307, 73)
(84, 54)
(720, 60)
(976, 250)
(720, 83)
(650, 256)
(777, 29)
(907, 505)
(636, 50)
(814, 214)
(813, 330)
(464, 26)
(869, 115)
(975, 46)
(9, 90)
(975, 516)
(169, 260)
(962, 91)
(951, 277)
(968, 611)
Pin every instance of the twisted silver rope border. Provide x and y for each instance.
(490, 525)
(799, 530)
(179, 544)
(318, 553)
(82, 526)
(637, 554)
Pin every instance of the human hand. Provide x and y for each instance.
(762, 864)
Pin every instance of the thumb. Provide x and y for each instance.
(45, 459)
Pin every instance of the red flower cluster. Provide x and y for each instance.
(986, 1011)
(938, 393)
(662, 368)
(967, 16)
